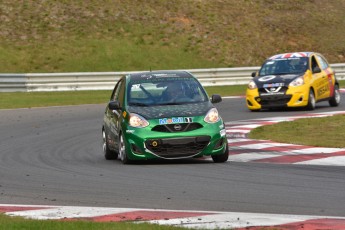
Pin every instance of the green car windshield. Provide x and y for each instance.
(151, 91)
(277, 66)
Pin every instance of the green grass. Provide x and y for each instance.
(89, 36)
(41, 99)
(19, 223)
(319, 132)
(93, 55)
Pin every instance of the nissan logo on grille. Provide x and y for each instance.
(177, 127)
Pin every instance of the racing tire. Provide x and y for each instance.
(122, 150)
(335, 99)
(221, 157)
(311, 100)
(108, 153)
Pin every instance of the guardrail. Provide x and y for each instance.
(31, 82)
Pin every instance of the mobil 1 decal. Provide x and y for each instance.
(175, 120)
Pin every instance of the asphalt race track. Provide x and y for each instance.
(53, 156)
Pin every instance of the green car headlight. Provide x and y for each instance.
(212, 116)
(137, 121)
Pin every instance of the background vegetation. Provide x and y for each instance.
(127, 35)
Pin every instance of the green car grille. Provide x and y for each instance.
(171, 128)
(177, 147)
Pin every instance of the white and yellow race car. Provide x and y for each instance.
(298, 79)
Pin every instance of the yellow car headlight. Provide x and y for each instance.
(252, 85)
(297, 82)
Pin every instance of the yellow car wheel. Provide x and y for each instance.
(311, 100)
(335, 100)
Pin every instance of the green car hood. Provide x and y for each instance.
(160, 111)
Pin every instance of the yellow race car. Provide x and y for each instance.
(298, 79)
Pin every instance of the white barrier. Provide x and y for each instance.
(31, 82)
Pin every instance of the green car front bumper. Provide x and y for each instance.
(157, 140)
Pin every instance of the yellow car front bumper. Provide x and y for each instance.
(293, 97)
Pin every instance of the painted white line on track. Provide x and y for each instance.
(235, 220)
(246, 157)
(264, 145)
(313, 150)
(330, 161)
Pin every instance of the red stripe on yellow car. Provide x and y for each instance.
(330, 81)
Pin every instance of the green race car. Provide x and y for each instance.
(162, 115)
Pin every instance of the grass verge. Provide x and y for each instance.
(318, 132)
(41, 99)
(14, 223)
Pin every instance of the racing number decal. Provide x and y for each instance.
(267, 78)
(323, 90)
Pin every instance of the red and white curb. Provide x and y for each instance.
(243, 149)
(188, 219)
